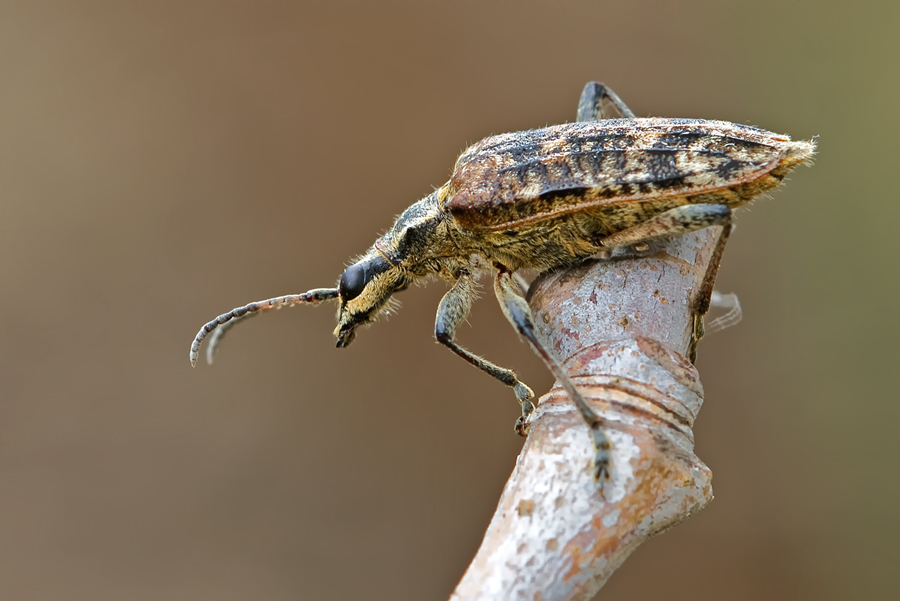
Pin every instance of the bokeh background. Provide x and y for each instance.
(163, 162)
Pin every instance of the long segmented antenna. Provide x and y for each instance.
(226, 321)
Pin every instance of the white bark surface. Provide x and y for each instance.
(623, 328)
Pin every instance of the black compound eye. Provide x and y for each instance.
(353, 281)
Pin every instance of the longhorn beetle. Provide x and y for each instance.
(546, 198)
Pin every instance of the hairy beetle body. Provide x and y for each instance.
(545, 197)
(550, 197)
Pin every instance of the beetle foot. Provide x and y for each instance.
(524, 394)
(603, 456)
(601, 465)
(522, 425)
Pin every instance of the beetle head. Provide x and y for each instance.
(365, 290)
(397, 258)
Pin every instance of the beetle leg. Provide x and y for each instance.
(703, 297)
(674, 222)
(452, 310)
(599, 102)
(732, 315)
(519, 314)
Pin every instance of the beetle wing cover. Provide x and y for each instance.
(514, 179)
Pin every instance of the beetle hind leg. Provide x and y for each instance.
(674, 222)
(683, 220)
(452, 310)
(519, 314)
(599, 102)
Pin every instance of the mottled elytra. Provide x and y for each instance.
(545, 198)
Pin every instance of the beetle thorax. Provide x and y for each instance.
(420, 239)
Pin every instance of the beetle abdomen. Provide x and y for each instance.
(621, 170)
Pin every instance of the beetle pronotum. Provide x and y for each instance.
(545, 198)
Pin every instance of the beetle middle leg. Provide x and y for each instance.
(519, 314)
(452, 310)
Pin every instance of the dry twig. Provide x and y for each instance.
(624, 329)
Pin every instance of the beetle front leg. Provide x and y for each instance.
(519, 315)
(599, 102)
(452, 310)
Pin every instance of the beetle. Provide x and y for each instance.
(546, 198)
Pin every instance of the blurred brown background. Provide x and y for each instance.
(163, 162)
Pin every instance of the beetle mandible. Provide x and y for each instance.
(546, 198)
